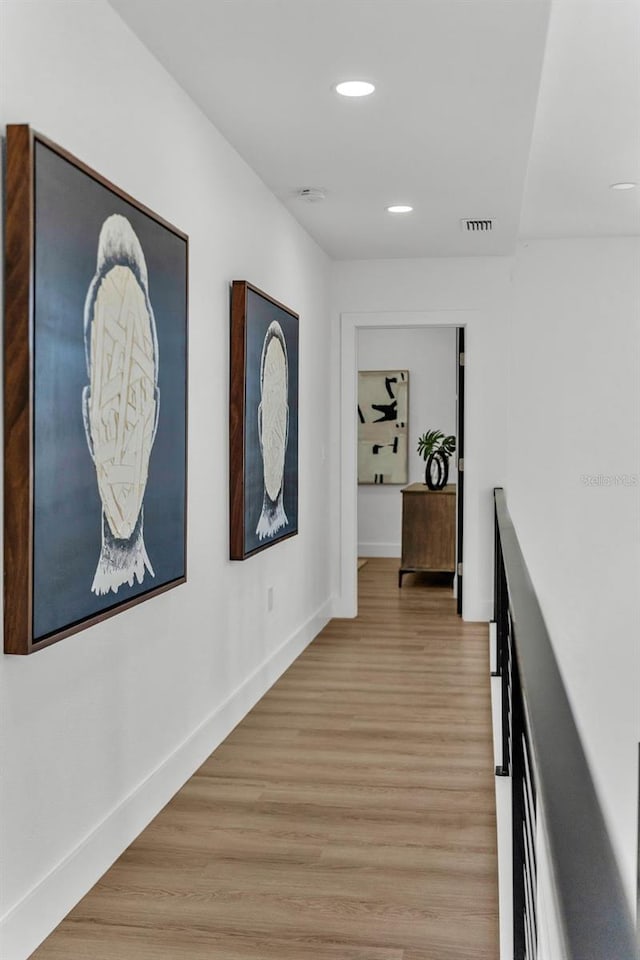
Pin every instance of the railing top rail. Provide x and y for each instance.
(593, 908)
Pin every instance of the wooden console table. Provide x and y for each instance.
(428, 529)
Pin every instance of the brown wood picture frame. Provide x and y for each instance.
(75, 247)
(263, 421)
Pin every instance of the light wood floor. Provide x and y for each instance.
(350, 816)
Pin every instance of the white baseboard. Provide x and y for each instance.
(31, 920)
(493, 647)
(481, 612)
(380, 550)
(505, 872)
(503, 822)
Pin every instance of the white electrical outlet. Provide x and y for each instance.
(269, 599)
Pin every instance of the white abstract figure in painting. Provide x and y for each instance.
(121, 403)
(273, 429)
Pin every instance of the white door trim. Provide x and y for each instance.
(347, 601)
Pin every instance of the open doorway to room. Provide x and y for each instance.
(453, 324)
(408, 384)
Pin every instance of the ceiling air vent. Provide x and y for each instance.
(476, 226)
(311, 194)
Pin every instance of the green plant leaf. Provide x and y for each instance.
(433, 441)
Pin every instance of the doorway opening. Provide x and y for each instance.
(376, 342)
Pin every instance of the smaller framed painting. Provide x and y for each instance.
(263, 431)
(383, 405)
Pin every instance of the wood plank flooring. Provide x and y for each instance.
(350, 816)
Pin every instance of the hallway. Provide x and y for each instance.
(349, 816)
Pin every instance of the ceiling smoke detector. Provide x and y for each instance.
(311, 194)
(476, 226)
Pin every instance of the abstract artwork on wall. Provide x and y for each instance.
(383, 403)
(95, 365)
(263, 436)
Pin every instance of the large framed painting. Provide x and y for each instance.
(383, 405)
(95, 397)
(263, 435)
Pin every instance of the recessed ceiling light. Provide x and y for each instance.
(355, 88)
(400, 208)
(628, 185)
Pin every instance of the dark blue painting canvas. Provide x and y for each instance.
(110, 398)
(264, 403)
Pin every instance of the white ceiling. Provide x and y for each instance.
(449, 128)
(587, 132)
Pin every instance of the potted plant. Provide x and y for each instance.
(436, 449)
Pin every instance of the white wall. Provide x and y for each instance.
(99, 730)
(429, 354)
(443, 292)
(574, 427)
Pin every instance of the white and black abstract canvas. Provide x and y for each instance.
(383, 404)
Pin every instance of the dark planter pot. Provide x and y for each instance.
(437, 471)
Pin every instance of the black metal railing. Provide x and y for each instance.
(543, 754)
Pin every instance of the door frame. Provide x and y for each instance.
(460, 362)
(346, 603)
